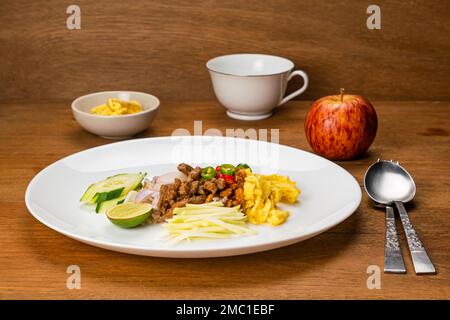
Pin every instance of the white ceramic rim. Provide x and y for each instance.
(75, 109)
(183, 253)
(208, 65)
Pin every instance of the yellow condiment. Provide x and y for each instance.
(263, 192)
(116, 107)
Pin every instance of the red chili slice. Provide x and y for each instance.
(229, 179)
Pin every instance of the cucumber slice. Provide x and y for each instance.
(105, 196)
(103, 207)
(109, 188)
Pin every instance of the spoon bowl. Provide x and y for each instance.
(386, 182)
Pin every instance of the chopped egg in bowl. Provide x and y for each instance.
(115, 114)
(115, 107)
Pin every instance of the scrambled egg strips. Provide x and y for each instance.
(115, 107)
(263, 192)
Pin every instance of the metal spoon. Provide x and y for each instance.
(389, 183)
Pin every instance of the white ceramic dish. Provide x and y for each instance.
(115, 127)
(250, 86)
(329, 193)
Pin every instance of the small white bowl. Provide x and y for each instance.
(115, 127)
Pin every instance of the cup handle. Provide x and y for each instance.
(299, 91)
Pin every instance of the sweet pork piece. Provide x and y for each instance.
(168, 193)
(239, 197)
(226, 193)
(172, 190)
(184, 168)
(209, 198)
(201, 190)
(220, 183)
(185, 189)
(240, 177)
(195, 174)
(158, 216)
(180, 203)
(194, 187)
(197, 199)
(210, 186)
(162, 197)
(192, 173)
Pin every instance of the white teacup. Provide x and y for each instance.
(250, 86)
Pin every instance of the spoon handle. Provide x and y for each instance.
(421, 260)
(393, 258)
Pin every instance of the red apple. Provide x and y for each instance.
(341, 127)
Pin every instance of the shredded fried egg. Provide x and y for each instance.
(263, 192)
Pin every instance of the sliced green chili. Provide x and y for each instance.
(227, 169)
(243, 166)
(208, 173)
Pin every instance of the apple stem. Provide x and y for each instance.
(342, 94)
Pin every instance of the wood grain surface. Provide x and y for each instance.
(162, 46)
(333, 265)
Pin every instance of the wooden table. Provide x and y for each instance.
(34, 259)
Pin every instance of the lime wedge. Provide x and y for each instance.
(130, 214)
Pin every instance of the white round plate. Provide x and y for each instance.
(329, 193)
